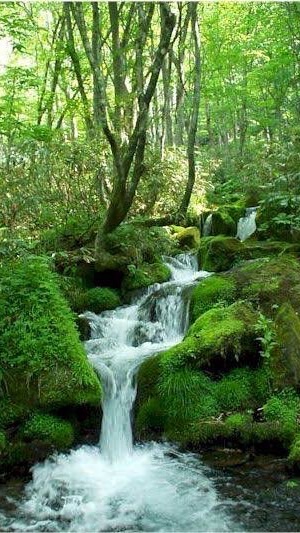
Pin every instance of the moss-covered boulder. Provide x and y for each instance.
(146, 275)
(219, 338)
(43, 363)
(96, 299)
(268, 282)
(188, 238)
(210, 292)
(222, 223)
(51, 429)
(42, 360)
(286, 357)
(217, 254)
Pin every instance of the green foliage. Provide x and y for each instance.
(139, 244)
(150, 417)
(294, 455)
(2, 441)
(235, 391)
(265, 328)
(48, 428)
(186, 395)
(284, 408)
(40, 347)
(11, 413)
(213, 291)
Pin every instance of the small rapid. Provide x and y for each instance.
(119, 486)
(247, 224)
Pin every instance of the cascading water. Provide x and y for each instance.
(117, 486)
(247, 225)
(207, 226)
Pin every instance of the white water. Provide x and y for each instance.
(117, 486)
(207, 227)
(247, 225)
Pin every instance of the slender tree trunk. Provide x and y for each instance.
(77, 69)
(195, 113)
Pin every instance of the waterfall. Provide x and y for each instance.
(247, 225)
(118, 486)
(207, 226)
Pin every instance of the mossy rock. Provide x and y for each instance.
(147, 379)
(84, 328)
(11, 413)
(42, 359)
(211, 292)
(219, 338)
(294, 453)
(188, 238)
(217, 254)
(150, 419)
(222, 223)
(286, 358)
(133, 244)
(284, 408)
(269, 282)
(57, 432)
(97, 299)
(148, 274)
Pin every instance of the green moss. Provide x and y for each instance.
(217, 254)
(43, 361)
(11, 413)
(294, 455)
(148, 274)
(284, 408)
(148, 377)
(150, 418)
(97, 299)
(188, 238)
(2, 441)
(234, 391)
(223, 223)
(186, 395)
(285, 363)
(219, 336)
(212, 291)
(56, 431)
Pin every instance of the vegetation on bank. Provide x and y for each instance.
(234, 379)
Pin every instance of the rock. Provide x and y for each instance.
(222, 223)
(144, 276)
(286, 358)
(217, 254)
(218, 339)
(84, 328)
(188, 238)
(210, 292)
(42, 358)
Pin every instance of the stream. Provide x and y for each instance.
(118, 485)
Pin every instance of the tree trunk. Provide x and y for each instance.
(195, 113)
